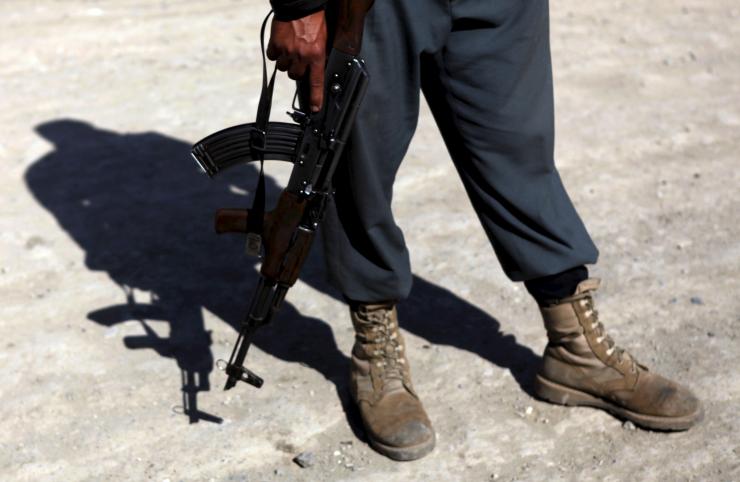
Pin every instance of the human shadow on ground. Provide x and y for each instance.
(142, 212)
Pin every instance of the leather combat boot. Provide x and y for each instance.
(583, 366)
(394, 419)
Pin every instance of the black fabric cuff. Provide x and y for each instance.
(549, 289)
(287, 10)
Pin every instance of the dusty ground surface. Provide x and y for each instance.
(115, 296)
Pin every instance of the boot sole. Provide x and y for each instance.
(562, 395)
(403, 454)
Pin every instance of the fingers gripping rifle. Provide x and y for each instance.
(314, 145)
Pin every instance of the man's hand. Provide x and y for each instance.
(299, 47)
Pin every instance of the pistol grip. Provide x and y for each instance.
(231, 221)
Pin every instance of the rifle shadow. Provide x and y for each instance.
(142, 212)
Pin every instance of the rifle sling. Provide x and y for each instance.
(258, 144)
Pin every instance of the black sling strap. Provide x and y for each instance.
(257, 144)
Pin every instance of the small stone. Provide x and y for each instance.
(34, 241)
(528, 410)
(304, 459)
(629, 426)
(278, 472)
(710, 334)
(695, 300)
(337, 453)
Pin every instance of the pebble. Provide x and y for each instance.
(695, 300)
(304, 459)
(278, 472)
(629, 426)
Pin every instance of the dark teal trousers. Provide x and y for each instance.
(484, 68)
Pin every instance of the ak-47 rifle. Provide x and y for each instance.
(314, 145)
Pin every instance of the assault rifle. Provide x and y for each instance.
(313, 143)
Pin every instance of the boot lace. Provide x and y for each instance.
(602, 337)
(385, 349)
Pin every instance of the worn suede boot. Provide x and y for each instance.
(394, 419)
(583, 366)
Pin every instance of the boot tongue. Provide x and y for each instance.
(585, 286)
(370, 308)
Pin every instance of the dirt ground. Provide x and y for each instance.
(116, 298)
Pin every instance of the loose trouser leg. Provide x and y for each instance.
(490, 90)
(364, 248)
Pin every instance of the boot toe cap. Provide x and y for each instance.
(410, 433)
(398, 421)
(681, 402)
(666, 398)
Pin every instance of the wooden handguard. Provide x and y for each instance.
(286, 245)
(279, 238)
(350, 24)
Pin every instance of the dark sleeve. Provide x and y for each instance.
(292, 9)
